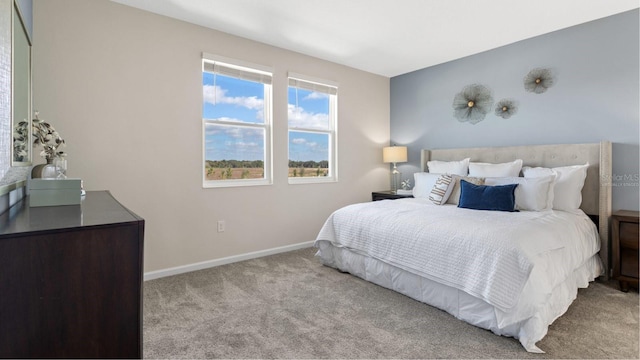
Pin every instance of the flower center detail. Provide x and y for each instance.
(470, 103)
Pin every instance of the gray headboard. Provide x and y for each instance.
(596, 193)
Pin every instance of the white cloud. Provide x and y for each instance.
(242, 144)
(316, 95)
(302, 141)
(211, 93)
(300, 118)
(242, 133)
(232, 131)
(217, 95)
(211, 130)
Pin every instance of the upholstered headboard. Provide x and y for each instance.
(596, 193)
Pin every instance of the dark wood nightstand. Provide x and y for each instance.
(624, 248)
(387, 195)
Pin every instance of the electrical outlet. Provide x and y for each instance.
(221, 225)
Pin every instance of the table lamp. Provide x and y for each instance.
(394, 154)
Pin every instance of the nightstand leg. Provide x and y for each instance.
(624, 286)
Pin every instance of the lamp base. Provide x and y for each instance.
(395, 179)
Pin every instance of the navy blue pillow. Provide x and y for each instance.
(484, 197)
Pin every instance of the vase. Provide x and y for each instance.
(44, 171)
(61, 168)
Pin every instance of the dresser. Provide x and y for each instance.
(624, 248)
(71, 280)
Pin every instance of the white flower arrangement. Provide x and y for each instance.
(44, 134)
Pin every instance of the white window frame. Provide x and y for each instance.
(253, 70)
(323, 86)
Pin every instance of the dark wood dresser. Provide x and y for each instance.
(71, 280)
(624, 247)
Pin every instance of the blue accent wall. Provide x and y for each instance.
(595, 97)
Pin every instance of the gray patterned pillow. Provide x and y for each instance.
(442, 189)
(454, 198)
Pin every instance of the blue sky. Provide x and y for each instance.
(241, 101)
(237, 101)
(309, 110)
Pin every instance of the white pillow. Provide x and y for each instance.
(423, 184)
(508, 169)
(532, 194)
(449, 167)
(567, 191)
(442, 189)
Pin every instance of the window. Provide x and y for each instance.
(312, 130)
(236, 120)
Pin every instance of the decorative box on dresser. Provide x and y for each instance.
(71, 280)
(624, 244)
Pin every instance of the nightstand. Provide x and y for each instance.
(388, 195)
(624, 248)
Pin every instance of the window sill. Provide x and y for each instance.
(312, 180)
(234, 183)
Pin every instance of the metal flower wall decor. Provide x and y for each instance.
(505, 108)
(538, 80)
(472, 104)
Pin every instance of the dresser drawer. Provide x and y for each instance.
(629, 235)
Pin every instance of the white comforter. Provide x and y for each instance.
(488, 254)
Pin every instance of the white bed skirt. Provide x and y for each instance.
(458, 303)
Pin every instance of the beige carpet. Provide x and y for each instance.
(290, 306)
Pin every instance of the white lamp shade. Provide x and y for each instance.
(394, 154)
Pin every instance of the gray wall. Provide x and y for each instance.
(595, 98)
(121, 86)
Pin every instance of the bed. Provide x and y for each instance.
(513, 273)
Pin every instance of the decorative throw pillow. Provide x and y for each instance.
(484, 197)
(455, 192)
(496, 170)
(442, 189)
(532, 193)
(567, 191)
(449, 167)
(424, 183)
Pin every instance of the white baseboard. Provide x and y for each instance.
(223, 261)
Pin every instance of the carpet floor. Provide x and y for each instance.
(289, 306)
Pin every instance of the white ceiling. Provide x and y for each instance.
(386, 37)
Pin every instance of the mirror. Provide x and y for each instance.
(21, 155)
(15, 97)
